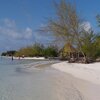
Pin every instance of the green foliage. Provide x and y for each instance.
(28, 51)
(31, 51)
(98, 37)
(97, 44)
(37, 50)
(8, 53)
(98, 20)
(91, 44)
(50, 51)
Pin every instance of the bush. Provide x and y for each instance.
(38, 50)
(51, 51)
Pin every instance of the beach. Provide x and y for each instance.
(25, 58)
(89, 72)
(86, 77)
(39, 80)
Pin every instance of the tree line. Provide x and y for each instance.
(36, 50)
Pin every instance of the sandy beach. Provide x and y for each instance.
(30, 58)
(86, 78)
(89, 72)
(39, 80)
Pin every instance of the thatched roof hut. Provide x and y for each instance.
(69, 48)
(68, 51)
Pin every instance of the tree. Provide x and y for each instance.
(31, 51)
(89, 45)
(9, 53)
(50, 51)
(38, 50)
(27, 52)
(98, 37)
(97, 43)
(98, 19)
(66, 25)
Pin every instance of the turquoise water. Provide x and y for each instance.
(18, 81)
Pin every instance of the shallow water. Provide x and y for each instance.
(18, 82)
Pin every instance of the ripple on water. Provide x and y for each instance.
(44, 84)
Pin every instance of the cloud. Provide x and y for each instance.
(86, 26)
(28, 33)
(9, 23)
(8, 29)
(6, 32)
(12, 37)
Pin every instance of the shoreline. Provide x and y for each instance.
(26, 58)
(87, 90)
(43, 80)
(30, 58)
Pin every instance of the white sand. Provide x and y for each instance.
(34, 58)
(26, 58)
(89, 72)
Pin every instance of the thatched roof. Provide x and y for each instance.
(68, 48)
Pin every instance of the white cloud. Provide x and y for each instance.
(28, 33)
(8, 29)
(9, 32)
(9, 23)
(13, 37)
(86, 26)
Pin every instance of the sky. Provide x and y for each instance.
(19, 20)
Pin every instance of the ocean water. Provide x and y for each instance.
(20, 80)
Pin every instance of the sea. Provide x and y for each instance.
(22, 80)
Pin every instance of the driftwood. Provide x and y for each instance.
(98, 60)
(81, 60)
